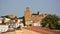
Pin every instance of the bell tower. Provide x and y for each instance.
(27, 13)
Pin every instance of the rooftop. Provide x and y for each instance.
(40, 30)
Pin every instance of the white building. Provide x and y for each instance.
(1, 20)
(3, 28)
(37, 24)
(6, 20)
(18, 23)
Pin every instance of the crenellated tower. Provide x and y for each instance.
(27, 14)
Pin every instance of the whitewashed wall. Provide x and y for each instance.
(3, 28)
(0, 21)
(6, 20)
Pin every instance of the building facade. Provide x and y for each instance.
(32, 18)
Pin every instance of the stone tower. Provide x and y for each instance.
(27, 14)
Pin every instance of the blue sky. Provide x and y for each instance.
(17, 7)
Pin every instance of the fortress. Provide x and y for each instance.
(31, 18)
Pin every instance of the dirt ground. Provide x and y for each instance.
(14, 32)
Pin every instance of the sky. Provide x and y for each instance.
(17, 7)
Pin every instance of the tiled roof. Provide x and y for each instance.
(40, 30)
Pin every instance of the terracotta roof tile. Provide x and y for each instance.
(39, 30)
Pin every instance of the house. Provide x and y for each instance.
(10, 23)
(21, 24)
(17, 23)
(21, 19)
(36, 30)
(14, 23)
(3, 28)
(6, 20)
(1, 20)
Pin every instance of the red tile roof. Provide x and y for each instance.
(39, 30)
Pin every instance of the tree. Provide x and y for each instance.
(30, 24)
(8, 16)
(51, 21)
(23, 21)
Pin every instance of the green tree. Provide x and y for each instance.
(23, 21)
(51, 21)
(7, 16)
(30, 24)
